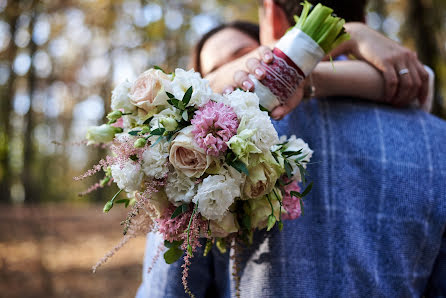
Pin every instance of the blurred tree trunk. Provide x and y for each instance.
(32, 194)
(7, 93)
(423, 25)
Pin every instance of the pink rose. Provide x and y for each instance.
(186, 156)
(148, 90)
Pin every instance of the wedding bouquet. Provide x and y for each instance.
(297, 53)
(195, 164)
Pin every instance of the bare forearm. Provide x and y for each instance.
(348, 78)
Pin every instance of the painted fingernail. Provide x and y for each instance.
(247, 85)
(227, 91)
(259, 72)
(268, 56)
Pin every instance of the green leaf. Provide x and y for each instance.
(302, 172)
(180, 210)
(157, 141)
(170, 95)
(271, 222)
(173, 243)
(147, 121)
(187, 96)
(239, 166)
(185, 115)
(246, 221)
(172, 255)
(288, 169)
(300, 158)
(122, 201)
(134, 132)
(295, 194)
(301, 202)
(181, 105)
(263, 109)
(307, 190)
(159, 68)
(133, 157)
(158, 131)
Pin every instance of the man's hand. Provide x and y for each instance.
(404, 75)
(255, 68)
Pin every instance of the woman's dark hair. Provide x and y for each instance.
(350, 10)
(250, 29)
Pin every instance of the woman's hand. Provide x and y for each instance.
(254, 66)
(404, 75)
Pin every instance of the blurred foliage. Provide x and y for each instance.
(60, 59)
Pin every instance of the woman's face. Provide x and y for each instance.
(224, 46)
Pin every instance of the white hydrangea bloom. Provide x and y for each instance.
(180, 188)
(154, 160)
(246, 106)
(216, 193)
(120, 98)
(202, 92)
(129, 177)
(296, 144)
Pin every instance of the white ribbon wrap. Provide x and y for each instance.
(301, 49)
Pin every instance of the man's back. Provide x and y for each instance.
(374, 221)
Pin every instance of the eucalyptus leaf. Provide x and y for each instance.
(239, 166)
(159, 68)
(308, 189)
(172, 255)
(173, 243)
(158, 131)
(187, 96)
(134, 132)
(180, 210)
(288, 169)
(185, 115)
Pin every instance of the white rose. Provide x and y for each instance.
(225, 226)
(154, 160)
(180, 188)
(148, 91)
(120, 98)
(202, 92)
(129, 177)
(216, 193)
(186, 156)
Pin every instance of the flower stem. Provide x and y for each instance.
(189, 247)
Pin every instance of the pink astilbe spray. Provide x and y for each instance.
(291, 204)
(172, 229)
(196, 225)
(214, 124)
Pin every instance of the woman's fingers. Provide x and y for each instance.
(255, 67)
(265, 54)
(242, 80)
(228, 89)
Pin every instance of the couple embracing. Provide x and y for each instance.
(374, 223)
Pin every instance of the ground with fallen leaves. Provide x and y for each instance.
(48, 251)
